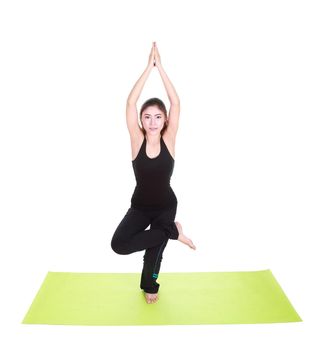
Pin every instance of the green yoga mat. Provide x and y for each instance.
(184, 299)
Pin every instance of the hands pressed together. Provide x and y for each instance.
(154, 57)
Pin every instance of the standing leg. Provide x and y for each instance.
(153, 255)
(130, 235)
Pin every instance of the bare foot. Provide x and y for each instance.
(182, 238)
(151, 298)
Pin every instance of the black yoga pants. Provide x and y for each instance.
(131, 236)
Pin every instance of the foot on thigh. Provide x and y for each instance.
(182, 238)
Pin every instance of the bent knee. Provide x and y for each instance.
(118, 246)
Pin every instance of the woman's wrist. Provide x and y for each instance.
(150, 66)
(159, 65)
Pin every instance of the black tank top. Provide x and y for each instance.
(153, 190)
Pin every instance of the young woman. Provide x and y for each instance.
(153, 202)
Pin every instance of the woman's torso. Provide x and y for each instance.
(153, 169)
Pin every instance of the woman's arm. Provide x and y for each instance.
(136, 90)
(174, 112)
(172, 94)
(131, 107)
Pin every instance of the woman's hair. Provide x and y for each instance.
(154, 101)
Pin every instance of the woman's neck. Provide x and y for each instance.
(153, 139)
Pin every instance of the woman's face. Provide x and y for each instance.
(153, 120)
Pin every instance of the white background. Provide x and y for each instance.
(246, 154)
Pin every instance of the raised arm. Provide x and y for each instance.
(131, 105)
(174, 112)
(136, 90)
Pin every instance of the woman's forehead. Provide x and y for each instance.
(152, 110)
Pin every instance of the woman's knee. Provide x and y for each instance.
(118, 246)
